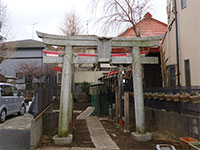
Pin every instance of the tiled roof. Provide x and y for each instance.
(148, 27)
(26, 43)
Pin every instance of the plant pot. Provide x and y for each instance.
(161, 97)
(155, 96)
(168, 97)
(185, 142)
(194, 145)
(145, 95)
(184, 98)
(132, 94)
(175, 97)
(149, 96)
(195, 99)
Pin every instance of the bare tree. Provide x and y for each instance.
(71, 24)
(33, 71)
(4, 29)
(6, 49)
(129, 12)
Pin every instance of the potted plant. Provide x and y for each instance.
(175, 97)
(168, 97)
(149, 95)
(155, 95)
(145, 95)
(194, 97)
(161, 96)
(184, 97)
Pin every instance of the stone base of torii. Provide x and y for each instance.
(104, 48)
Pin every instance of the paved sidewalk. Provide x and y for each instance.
(18, 122)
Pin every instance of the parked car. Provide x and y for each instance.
(11, 101)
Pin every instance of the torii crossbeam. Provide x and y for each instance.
(104, 48)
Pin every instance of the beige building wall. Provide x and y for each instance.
(189, 41)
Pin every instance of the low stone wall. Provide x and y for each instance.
(36, 132)
(50, 123)
(20, 132)
(175, 124)
(14, 139)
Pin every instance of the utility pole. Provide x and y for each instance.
(177, 44)
(33, 29)
(87, 26)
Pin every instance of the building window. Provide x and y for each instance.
(19, 76)
(183, 4)
(187, 73)
(28, 78)
(170, 11)
(172, 75)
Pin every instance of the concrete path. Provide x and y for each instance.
(99, 136)
(85, 114)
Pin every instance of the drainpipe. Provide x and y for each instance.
(177, 44)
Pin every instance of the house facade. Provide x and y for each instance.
(149, 27)
(181, 44)
(27, 52)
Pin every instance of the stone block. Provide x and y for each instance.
(62, 141)
(142, 137)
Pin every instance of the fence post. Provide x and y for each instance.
(116, 106)
(120, 91)
(126, 111)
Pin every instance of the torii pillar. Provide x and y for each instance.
(63, 137)
(140, 134)
(63, 129)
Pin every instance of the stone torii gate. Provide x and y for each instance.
(104, 49)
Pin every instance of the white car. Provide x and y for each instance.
(11, 101)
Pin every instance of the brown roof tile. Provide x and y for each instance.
(148, 27)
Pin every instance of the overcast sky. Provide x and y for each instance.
(46, 15)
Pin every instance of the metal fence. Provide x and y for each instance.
(180, 107)
(188, 108)
(43, 97)
(174, 90)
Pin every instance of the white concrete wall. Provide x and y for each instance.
(87, 76)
